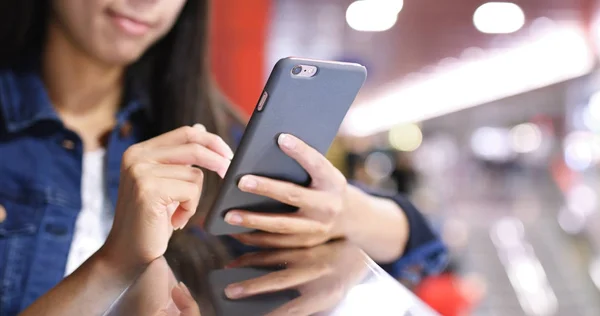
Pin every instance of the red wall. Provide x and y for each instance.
(239, 34)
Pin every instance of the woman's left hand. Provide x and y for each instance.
(322, 206)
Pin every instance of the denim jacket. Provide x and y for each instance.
(40, 191)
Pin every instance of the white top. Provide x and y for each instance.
(95, 219)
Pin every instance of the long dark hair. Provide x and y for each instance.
(173, 73)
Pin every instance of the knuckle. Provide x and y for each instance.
(339, 180)
(198, 175)
(310, 256)
(333, 208)
(307, 256)
(190, 132)
(282, 227)
(323, 267)
(137, 170)
(281, 279)
(322, 229)
(308, 243)
(130, 155)
(292, 197)
(197, 193)
(193, 209)
(249, 221)
(198, 151)
(215, 140)
(145, 186)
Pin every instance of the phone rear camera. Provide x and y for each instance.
(296, 70)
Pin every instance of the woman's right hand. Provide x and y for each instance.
(322, 275)
(159, 191)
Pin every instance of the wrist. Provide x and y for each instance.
(116, 268)
(357, 204)
(375, 224)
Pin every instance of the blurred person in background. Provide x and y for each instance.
(404, 174)
(99, 163)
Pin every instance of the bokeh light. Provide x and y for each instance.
(579, 150)
(498, 18)
(370, 16)
(406, 137)
(378, 165)
(492, 143)
(526, 138)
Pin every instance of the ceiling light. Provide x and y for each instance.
(541, 61)
(370, 16)
(498, 18)
(392, 5)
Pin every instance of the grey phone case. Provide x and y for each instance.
(312, 109)
(257, 305)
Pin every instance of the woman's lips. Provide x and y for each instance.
(129, 25)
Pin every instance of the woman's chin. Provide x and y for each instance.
(121, 56)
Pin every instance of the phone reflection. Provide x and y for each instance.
(299, 281)
(332, 279)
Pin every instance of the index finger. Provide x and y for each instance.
(186, 135)
(276, 281)
(267, 258)
(321, 171)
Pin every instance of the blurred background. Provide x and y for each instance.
(486, 113)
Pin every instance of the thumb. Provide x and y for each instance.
(184, 301)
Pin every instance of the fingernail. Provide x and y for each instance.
(233, 218)
(247, 182)
(286, 141)
(234, 291)
(200, 127)
(223, 171)
(185, 289)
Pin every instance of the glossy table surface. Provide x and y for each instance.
(332, 279)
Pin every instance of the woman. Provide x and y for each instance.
(97, 100)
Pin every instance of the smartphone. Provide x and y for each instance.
(303, 97)
(257, 305)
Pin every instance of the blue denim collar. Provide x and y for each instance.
(25, 102)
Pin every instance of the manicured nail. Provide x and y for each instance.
(200, 127)
(286, 141)
(234, 291)
(185, 289)
(247, 182)
(233, 218)
(223, 171)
